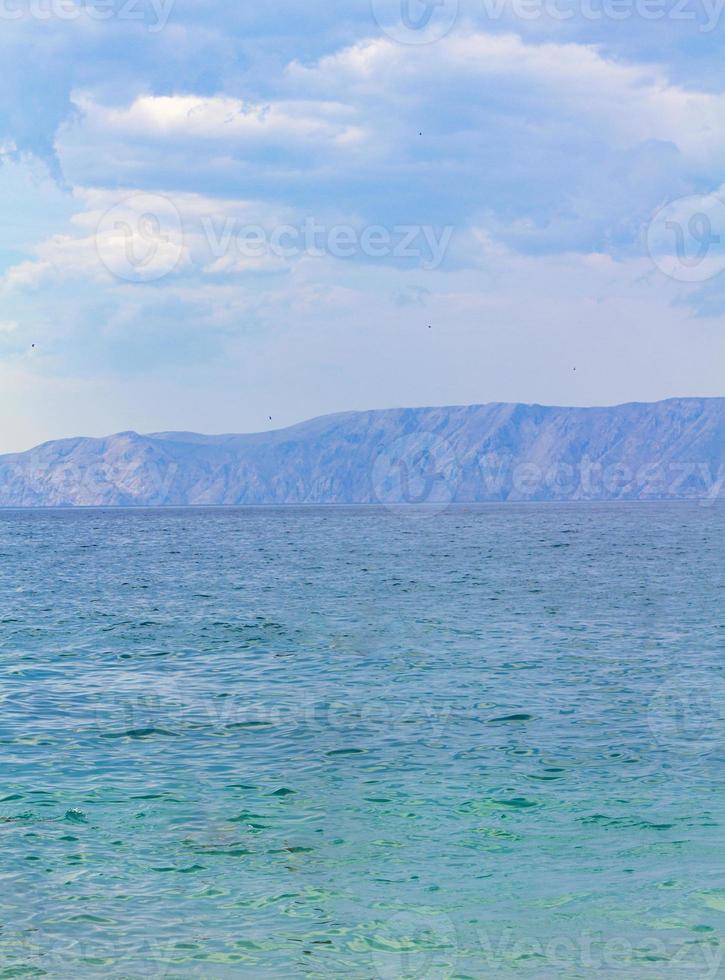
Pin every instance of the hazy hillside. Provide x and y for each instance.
(667, 450)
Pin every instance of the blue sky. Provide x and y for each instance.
(214, 213)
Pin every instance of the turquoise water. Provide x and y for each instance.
(311, 743)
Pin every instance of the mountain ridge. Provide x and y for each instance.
(672, 449)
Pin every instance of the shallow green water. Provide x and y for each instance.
(295, 743)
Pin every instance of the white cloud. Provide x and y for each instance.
(190, 117)
(188, 234)
(573, 82)
(555, 145)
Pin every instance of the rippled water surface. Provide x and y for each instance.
(307, 743)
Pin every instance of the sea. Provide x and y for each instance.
(368, 743)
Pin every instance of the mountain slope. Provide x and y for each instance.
(666, 450)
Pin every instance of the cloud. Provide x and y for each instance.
(558, 146)
(188, 117)
(120, 237)
(588, 93)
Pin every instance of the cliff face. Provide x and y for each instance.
(667, 450)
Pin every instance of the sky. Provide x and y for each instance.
(217, 213)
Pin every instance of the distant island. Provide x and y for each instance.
(669, 450)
